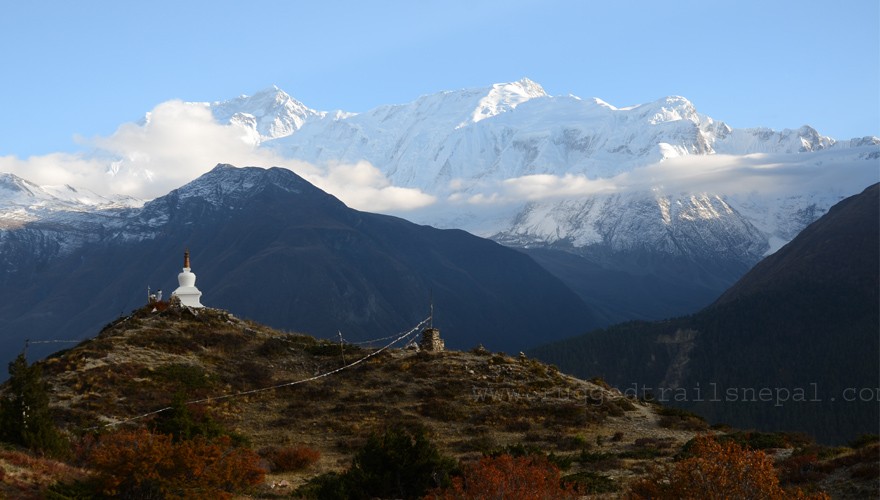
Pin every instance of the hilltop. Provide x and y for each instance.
(272, 388)
(470, 401)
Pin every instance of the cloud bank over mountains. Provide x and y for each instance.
(179, 141)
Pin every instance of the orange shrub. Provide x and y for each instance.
(289, 459)
(716, 470)
(139, 463)
(508, 478)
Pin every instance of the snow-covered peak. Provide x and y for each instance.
(857, 142)
(13, 185)
(224, 184)
(764, 140)
(22, 201)
(18, 192)
(599, 102)
(667, 109)
(504, 97)
(269, 114)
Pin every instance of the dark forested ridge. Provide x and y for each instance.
(791, 346)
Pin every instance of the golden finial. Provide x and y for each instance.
(186, 258)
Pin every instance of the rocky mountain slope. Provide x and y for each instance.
(277, 249)
(801, 326)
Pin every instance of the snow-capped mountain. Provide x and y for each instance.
(22, 201)
(618, 186)
(506, 162)
(266, 115)
(41, 223)
(515, 129)
(465, 145)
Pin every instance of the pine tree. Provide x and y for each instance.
(24, 412)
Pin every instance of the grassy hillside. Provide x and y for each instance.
(274, 390)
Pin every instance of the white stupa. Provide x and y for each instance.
(187, 292)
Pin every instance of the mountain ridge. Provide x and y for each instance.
(805, 318)
(282, 251)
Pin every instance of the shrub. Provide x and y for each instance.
(255, 374)
(517, 450)
(647, 448)
(479, 350)
(600, 382)
(400, 463)
(624, 404)
(866, 472)
(570, 443)
(327, 348)
(225, 342)
(441, 409)
(499, 358)
(715, 470)
(597, 460)
(272, 347)
(188, 376)
(800, 469)
(505, 477)
(290, 459)
(864, 440)
(182, 424)
(139, 464)
(589, 483)
(677, 418)
(518, 425)
(768, 440)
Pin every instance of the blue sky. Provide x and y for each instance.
(83, 68)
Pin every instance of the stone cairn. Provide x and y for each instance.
(431, 340)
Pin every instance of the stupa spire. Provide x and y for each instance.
(186, 259)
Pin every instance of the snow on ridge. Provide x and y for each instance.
(453, 144)
(17, 195)
(505, 97)
(269, 114)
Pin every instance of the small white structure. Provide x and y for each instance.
(187, 292)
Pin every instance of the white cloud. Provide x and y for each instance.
(539, 187)
(776, 174)
(178, 142)
(363, 186)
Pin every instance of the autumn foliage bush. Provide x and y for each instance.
(716, 470)
(140, 464)
(507, 477)
(290, 458)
